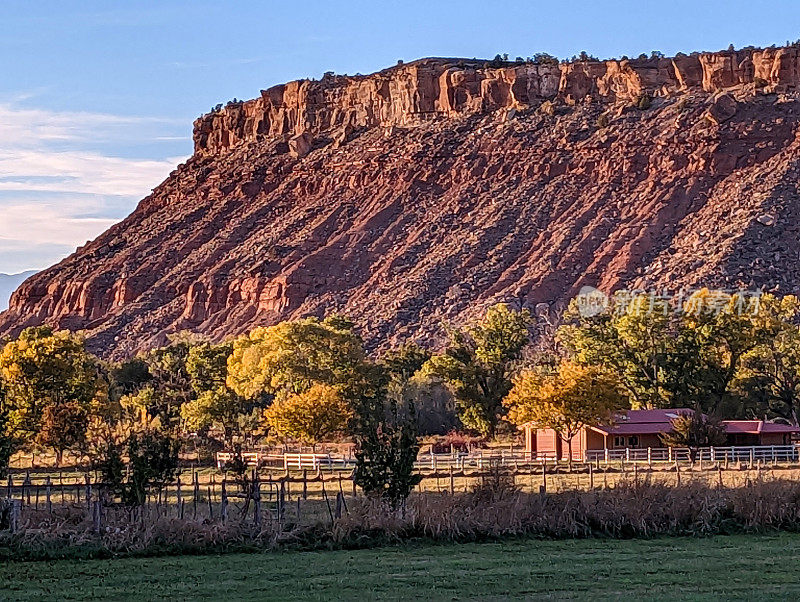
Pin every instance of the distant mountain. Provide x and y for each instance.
(9, 283)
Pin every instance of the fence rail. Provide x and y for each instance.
(517, 457)
(768, 453)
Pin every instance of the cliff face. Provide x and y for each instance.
(410, 94)
(427, 191)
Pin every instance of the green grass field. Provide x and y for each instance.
(730, 568)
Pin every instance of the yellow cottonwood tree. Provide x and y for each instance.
(310, 416)
(565, 401)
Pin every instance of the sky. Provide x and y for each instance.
(97, 99)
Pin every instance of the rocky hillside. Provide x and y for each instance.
(424, 192)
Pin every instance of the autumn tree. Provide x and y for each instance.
(718, 331)
(565, 401)
(694, 430)
(633, 337)
(310, 416)
(668, 354)
(45, 369)
(477, 365)
(63, 428)
(7, 442)
(293, 356)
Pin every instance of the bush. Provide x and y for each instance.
(644, 101)
(153, 461)
(603, 121)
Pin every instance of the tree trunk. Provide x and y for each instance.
(569, 451)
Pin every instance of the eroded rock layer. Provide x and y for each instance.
(427, 191)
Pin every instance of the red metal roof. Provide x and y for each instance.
(757, 426)
(643, 422)
(635, 429)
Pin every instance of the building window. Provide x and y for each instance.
(633, 441)
(619, 441)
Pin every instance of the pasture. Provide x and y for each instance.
(723, 567)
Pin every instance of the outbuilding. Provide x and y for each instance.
(642, 429)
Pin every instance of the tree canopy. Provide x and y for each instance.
(478, 362)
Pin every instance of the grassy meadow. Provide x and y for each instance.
(740, 567)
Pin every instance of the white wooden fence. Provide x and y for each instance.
(767, 453)
(516, 457)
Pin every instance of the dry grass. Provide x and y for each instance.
(496, 508)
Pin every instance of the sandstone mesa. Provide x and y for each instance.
(427, 191)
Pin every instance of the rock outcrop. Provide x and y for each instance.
(425, 192)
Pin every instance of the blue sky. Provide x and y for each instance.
(97, 98)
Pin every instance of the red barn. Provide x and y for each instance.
(641, 429)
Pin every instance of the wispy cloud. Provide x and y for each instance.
(67, 176)
(81, 172)
(31, 128)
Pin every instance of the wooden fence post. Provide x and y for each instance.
(256, 500)
(88, 480)
(452, 481)
(678, 473)
(196, 493)
(305, 483)
(282, 502)
(178, 496)
(327, 501)
(97, 521)
(591, 477)
(210, 504)
(543, 488)
(16, 514)
(339, 504)
(47, 487)
(223, 508)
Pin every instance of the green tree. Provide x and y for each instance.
(161, 396)
(477, 365)
(293, 356)
(216, 406)
(152, 461)
(718, 331)
(770, 372)
(632, 338)
(42, 369)
(410, 386)
(695, 430)
(386, 449)
(668, 356)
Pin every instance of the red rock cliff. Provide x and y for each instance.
(408, 94)
(430, 190)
